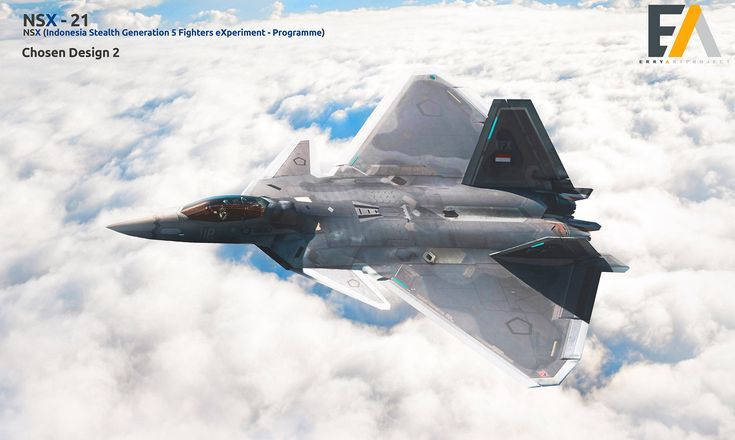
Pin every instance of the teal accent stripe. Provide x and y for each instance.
(538, 244)
(400, 283)
(492, 129)
(354, 159)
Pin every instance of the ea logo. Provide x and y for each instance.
(694, 19)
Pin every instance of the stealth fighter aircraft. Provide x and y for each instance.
(467, 217)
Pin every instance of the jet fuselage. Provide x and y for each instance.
(346, 222)
(463, 213)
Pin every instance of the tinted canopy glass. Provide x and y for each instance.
(226, 208)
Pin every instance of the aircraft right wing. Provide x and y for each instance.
(499, 316)
(527, 308)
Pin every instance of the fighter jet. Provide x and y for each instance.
(468, 218)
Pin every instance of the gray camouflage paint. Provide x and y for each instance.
(399, 219)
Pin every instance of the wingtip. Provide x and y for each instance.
(615, 265)
(383, 306)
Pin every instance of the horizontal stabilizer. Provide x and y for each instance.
(614, 264)
(581, 224)
(565, 270)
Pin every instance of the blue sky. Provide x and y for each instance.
(105, 336)
(257, 9)
(182, 12)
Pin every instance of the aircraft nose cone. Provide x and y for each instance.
(142, 228)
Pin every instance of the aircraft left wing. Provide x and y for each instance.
(497, 314)
(361, 285)
(428, 128)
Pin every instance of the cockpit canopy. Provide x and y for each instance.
(226, 208)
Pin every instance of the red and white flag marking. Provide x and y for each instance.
(502, 158)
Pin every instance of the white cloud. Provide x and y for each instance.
(104, 336)
(98, 5)
(642, 5)
(278, 8)
(123, 18)
(216, 17)
(5, 11)
(339, 115)
(590, 3)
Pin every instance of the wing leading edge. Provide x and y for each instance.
(492, 311)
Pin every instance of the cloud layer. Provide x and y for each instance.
(104, 336)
